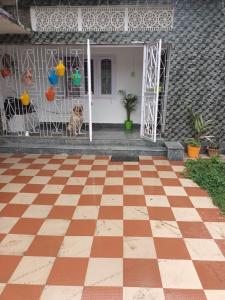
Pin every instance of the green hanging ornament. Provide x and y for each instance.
(76, 78)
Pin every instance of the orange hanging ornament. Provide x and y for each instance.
(60, 69)
(50, 94)
(25, 98)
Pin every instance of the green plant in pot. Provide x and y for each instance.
(212, 146)
(200, 127)
(129, 102)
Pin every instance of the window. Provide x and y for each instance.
(86, 76)
(106, 76)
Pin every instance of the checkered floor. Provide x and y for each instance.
(85, 228)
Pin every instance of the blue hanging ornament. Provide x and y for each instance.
(76, 78)
(52, 77)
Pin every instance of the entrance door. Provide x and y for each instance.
(150, 90)
(89, 88)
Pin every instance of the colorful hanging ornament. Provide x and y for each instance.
(5, 72)
(60, 69)
(76, 78)
(50, 94)
(7, 63)
(52, 77)
(25, 98)
(27, 77)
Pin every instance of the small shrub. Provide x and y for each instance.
(209, 174)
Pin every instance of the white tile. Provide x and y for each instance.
(13, 187)
(2, 205)
(216, 229)
(67, 200)
(167, 174)
(104, 272)
(63, 173)
(114, 181)
(52, 189)
(51, 167)
(24, 198)
(133, 190)
(178, 168)
(187, 182)
(215, 294)
(175, 191)
(54, 227)
(202, 202)
(139, 293)
(6, 178)
(138, 247)
(109, 228)
(15, 244)
(2, 286)
(165, 229)
(86, 212)
(157, 201)
(12, 160)
(19, 166)
(76, 181)
(92, 190)
(132, 174)
(178, 274)
(100, 162)
(204, 249)
(151, 181)
(7, 223)
(29, 172)
(159, 162)
(186, 214)
(83, 167)
(147, 168)
(41, 161)
(63, 292)
(32, 270)
(37, 211)
(135, 213)
(115, 168)
(76, 246)
(40, 180)
(112, 200)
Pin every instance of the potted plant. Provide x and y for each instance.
(213, 147)
(200, 128)
(129, 102)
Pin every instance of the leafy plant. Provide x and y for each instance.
(129, 102)
(212, 143)
(209, 174)
(193, 142)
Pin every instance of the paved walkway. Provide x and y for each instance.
(85, 228)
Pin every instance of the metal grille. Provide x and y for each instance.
(41, 117)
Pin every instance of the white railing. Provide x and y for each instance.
(101, 18)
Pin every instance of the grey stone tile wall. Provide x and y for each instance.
(197, 73)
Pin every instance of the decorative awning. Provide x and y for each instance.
(9, 25)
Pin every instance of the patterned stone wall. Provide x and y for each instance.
(197, 73)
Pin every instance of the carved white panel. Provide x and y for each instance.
(101, 18)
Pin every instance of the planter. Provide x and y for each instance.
(128, 125)
(213, 151)
(193, 151)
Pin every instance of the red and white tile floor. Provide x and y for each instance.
(85, 228)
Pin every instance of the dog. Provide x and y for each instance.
(76, 120)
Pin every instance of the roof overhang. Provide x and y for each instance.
(9, 25)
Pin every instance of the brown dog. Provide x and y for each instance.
(76, 120)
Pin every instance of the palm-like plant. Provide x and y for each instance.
(129, 102)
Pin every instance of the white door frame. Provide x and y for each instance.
(89, 88)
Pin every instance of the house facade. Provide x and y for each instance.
(177, 47)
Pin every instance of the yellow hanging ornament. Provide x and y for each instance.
(60, 69)
(25, 98)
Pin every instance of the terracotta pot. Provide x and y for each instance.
(212, 151)
(50, 94)
(193, 151)
(5, 72)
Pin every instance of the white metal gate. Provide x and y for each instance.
(150, 90)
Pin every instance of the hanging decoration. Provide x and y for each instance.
(52, 77)
(50, 94)
(76, 78)
(27, 77)
(7, 63)
(60, 69)
(25, 98)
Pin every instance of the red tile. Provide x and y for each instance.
(154, 190)
(2, 236)
(61, 212)
(221, 245)
(2, 185)
(13, 210)
(81, 227)
(194, 230)
(102, 157)
(72, 189)
(195, 191)
(171, 248)
(170, 182)
(46, 173)
(176, 163)
(161, 213)
(5, 165)
(56, 161)
(8, 265)
(102, 293)
(141, 273)
(114, 174)
(110, 212)
(86, 161)
(27, 226)
(134, 200)
(159, 158)
(12, 172)
(131, 167)
(99, 167)
(21, 179)
(179, 201)
(68, 271)
(36, 166)
(176, 294)
(163, 168)
(89, 200)
(211, 215)
(58, 180)
(146, 162)
(45, 246)
(6, 197)
(46, 199)
(27, 160)
(136, 228)
(32, 188)
(22, 292)
(107, 247)
(95, 181)
(211, 274)
(67, 167)
(113, 189)
(152, 174)
(80, 174)
(132, 181)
